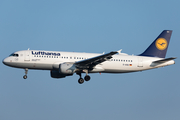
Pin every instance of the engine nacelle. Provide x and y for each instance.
(67, 68)
(56, 74)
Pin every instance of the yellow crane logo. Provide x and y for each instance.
(161, 43)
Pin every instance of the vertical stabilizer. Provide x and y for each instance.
(160, 45)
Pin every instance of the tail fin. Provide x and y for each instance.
(160, 45)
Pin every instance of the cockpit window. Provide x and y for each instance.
(15, 55)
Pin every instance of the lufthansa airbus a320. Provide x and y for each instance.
(62, 64)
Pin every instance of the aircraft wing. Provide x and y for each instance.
(91, 62)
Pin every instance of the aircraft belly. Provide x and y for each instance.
(117, 71)
(43, 66)
(30, 65)
(119, 68)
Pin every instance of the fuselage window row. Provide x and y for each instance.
(121, 60)
(118, 60)
(61, 57)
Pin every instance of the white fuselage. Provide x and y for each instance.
(50, 60)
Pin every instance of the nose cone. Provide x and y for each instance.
(5, 61)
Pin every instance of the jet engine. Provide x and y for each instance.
(56, 74)
(65, 69)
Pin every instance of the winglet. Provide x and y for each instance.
(119, 51)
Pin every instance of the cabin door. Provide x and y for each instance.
(27, 55)
(140, 62)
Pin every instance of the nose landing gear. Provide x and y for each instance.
(26, 71)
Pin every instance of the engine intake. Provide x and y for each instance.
(67, 68)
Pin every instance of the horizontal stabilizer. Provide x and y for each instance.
(164, 60)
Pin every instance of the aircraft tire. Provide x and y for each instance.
(87, 78)
(81, 81)
(25, 76)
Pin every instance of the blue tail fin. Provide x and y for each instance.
(160, 45)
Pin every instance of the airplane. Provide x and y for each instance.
(63, 64)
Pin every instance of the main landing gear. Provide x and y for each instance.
(86, 78)
(81, 80)
(26, 71)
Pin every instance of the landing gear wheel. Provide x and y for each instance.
(87, 78)
(81, 80)
(26, 71)
(25, 76)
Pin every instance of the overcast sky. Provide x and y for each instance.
(94, 26)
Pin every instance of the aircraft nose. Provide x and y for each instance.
(5, 61)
